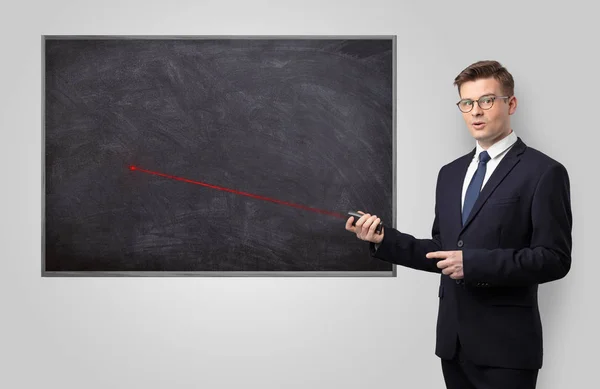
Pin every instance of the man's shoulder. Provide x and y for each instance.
(533, 154)
(458, 163)
(539, 161)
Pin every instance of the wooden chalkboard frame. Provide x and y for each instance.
(392, 223)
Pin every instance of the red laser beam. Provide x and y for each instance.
(254, 196)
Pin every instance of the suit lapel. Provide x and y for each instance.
(510, 160)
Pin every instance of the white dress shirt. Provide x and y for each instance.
(497, 151)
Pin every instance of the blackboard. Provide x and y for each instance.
(215, 155)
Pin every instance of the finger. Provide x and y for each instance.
(367, 224)
(349, 226)
(374, 225)
(448, 271)
(362, 219)
(438, 254)
(442, 264)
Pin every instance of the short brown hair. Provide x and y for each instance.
(487, 69)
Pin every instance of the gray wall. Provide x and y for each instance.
(299, 332)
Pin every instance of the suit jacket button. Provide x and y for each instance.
(460, 243)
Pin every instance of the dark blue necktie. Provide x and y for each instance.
(475, 186)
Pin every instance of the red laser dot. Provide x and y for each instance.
(131, 167)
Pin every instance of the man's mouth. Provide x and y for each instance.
(478, 125)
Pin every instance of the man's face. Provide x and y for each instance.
(487, 126)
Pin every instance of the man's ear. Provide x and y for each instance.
(512, 105)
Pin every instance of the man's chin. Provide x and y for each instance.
(479, 134)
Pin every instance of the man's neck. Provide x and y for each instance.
(487, 145)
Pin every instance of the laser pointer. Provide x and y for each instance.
(358, 215)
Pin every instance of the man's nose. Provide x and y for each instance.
(476, 111)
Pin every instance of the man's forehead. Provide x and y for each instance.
(479, 95)
(476, 89)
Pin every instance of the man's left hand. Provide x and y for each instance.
(451, 263)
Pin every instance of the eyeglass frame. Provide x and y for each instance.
(492, 96)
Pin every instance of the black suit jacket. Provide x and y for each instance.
(518, 236)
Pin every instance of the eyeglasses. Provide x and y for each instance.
(484, 102)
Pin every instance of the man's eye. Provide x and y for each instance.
(486, 100)
(466, 103)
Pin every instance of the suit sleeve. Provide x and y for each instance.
(549, 256)
(406, 250)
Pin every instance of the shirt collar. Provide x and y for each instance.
(499, 147)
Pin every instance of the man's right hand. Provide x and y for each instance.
(365, 227)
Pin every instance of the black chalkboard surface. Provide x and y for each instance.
(215, 156)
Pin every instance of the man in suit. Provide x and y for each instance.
(502, 226)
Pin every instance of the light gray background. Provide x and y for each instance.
(299, 332)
